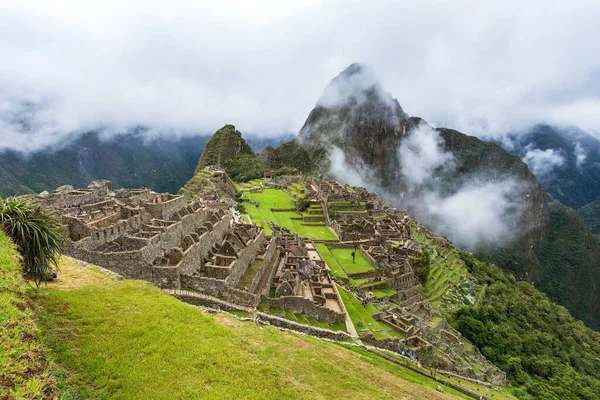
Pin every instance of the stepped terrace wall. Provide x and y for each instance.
(267, 262)
(303, 305)
(245, 257)
(220, 289)
(137, 263)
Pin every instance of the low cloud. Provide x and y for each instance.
(543, 162)
(421, 154)
(356, 174)
(475, 213)
(351, 86)
(69, 67)
(580, 155)
(478, 212)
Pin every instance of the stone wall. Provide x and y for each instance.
(165, 209)
(83, 196)
(303, 305)
(264, 268)
(166, 277)
(244, 259)
(219, 288)
(394, 345)
(136, 264)
(77, 229)
(120, 228)
(306, 329)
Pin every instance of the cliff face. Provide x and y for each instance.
(357, 116)
(410, 163)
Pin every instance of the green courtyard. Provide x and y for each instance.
(273, 199)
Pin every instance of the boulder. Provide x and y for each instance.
(44, 194)
(63, 189)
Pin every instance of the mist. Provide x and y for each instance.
(181, 68)
(479, 212)
(542, 162)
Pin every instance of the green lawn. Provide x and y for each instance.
(384, 292)
(128, 340)
(334, 266)
(359, 314)
(274, 198)
(344, 259)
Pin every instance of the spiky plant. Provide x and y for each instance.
(38, 234)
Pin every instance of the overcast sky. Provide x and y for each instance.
(479, 66)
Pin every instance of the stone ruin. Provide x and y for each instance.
(302, 283)
(195, 244)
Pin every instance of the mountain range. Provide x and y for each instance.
(505, 207)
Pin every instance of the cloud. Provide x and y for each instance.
(421, 154)
(580, 155)
(475, 213)
(181, 67)
(542, 162)
(352, 85)
(480, 212)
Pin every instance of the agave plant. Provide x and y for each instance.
(38, 234)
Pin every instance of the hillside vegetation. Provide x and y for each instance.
(128, 340)
(129, 160)
(540, 346)
(570, 255)
(591, 216)
(24, 370)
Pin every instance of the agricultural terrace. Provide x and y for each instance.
(446, 270)
(271, 200)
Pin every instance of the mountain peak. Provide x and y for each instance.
(354, 85)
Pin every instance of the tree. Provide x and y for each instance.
(38, 234)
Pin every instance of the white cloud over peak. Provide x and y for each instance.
(542, 162)
(179, 66)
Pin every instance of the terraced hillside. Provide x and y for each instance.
(205, 183)
(448, 285)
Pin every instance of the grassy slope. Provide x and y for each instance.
(364, 315)
(24, 370)
(127, 339)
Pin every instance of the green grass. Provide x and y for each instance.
(24, 370)
(409, 375)
(359, 314)
(446, 270)
(248, 277)
(334, 266)
(384, 292)
(128, 340)
(278, 199)
(344, 259)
